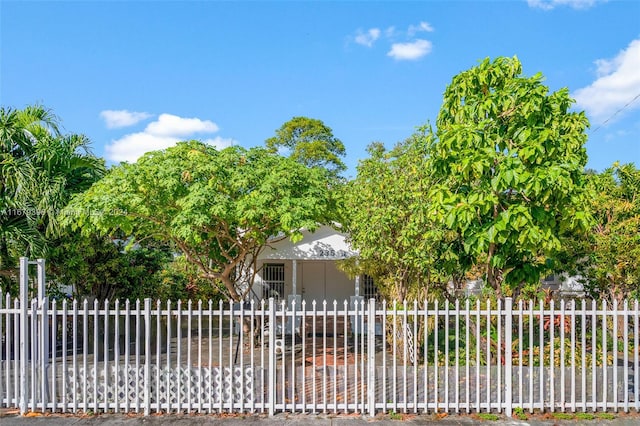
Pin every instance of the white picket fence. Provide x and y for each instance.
(348, 357)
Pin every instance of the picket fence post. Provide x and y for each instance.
(147, 358)
(371, 351)
(42, 287)
(271, 383)
(24, 338)
(508, 355)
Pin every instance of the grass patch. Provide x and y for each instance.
(585, 416)
(563, 416)
(605, 416)
(488, 416)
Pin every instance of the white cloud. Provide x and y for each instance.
(368, 38)
(220, 142)
(422, 26)
(172, 125)
(410, 51)
(131, 147)
(618, 83)
(390, 32)
(122, 118)
(163, 133)
(551, 4)
(617, 134)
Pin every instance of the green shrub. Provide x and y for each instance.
(395, 416)
(518, 413)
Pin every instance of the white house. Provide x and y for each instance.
(307, 270)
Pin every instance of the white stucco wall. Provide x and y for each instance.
(325, 243)
(317, 277)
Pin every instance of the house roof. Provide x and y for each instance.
(326, 243)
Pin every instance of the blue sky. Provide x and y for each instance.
(137, 76)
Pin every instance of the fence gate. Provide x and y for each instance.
(24, 360)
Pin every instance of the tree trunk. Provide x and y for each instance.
(229, 284)
(493, 275)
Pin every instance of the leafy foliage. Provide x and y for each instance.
(40, 170)
(217, 208)
(97, 266)
(104, 268)
(388, 220)
(310, 142)
(509, 161)
(608, 257)
(20, 132)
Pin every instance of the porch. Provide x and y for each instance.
(308, 270)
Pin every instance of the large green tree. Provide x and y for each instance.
(608, 257)
(40, 170)
(310, 142)
(509, 158)
(218, 208)
(20, 133)
(387, 217)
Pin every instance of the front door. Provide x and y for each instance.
(313, 281)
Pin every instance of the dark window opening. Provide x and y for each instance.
(273, 281)
(369, 289)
